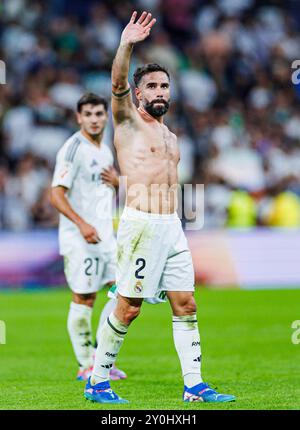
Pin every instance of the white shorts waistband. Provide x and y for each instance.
(134, 213)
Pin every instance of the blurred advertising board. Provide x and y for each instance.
(30, 259)
(258, 258)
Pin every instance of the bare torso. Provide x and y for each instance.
(148, 155)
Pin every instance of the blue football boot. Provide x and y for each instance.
(101, 393)
(203, 393)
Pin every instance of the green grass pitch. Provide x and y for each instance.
(245, 339)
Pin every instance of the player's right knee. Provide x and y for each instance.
(131, 313)
(85, 299)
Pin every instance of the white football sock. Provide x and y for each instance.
(80, 331)
(111, 339)
(106, 311)
(187, 344)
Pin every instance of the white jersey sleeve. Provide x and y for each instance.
(67, 165)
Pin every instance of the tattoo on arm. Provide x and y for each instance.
(122, 94)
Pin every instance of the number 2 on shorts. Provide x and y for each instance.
(138, 262)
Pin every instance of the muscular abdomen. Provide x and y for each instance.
(151, 174)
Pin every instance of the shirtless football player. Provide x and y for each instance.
(153, 255)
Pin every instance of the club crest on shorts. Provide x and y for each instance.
(138, 287)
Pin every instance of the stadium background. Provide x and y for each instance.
(237, 117)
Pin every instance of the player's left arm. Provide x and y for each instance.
(110, 176)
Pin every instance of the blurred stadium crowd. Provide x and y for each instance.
(235, 110)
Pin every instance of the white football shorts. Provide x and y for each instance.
(153, 255)
(88, 267)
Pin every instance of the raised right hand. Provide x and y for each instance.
(89, 232)
(136, 32)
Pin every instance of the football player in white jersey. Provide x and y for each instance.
(82, 191)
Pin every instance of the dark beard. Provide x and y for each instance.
(158, 111)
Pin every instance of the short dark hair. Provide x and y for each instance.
(148, 68)
(93, 99)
